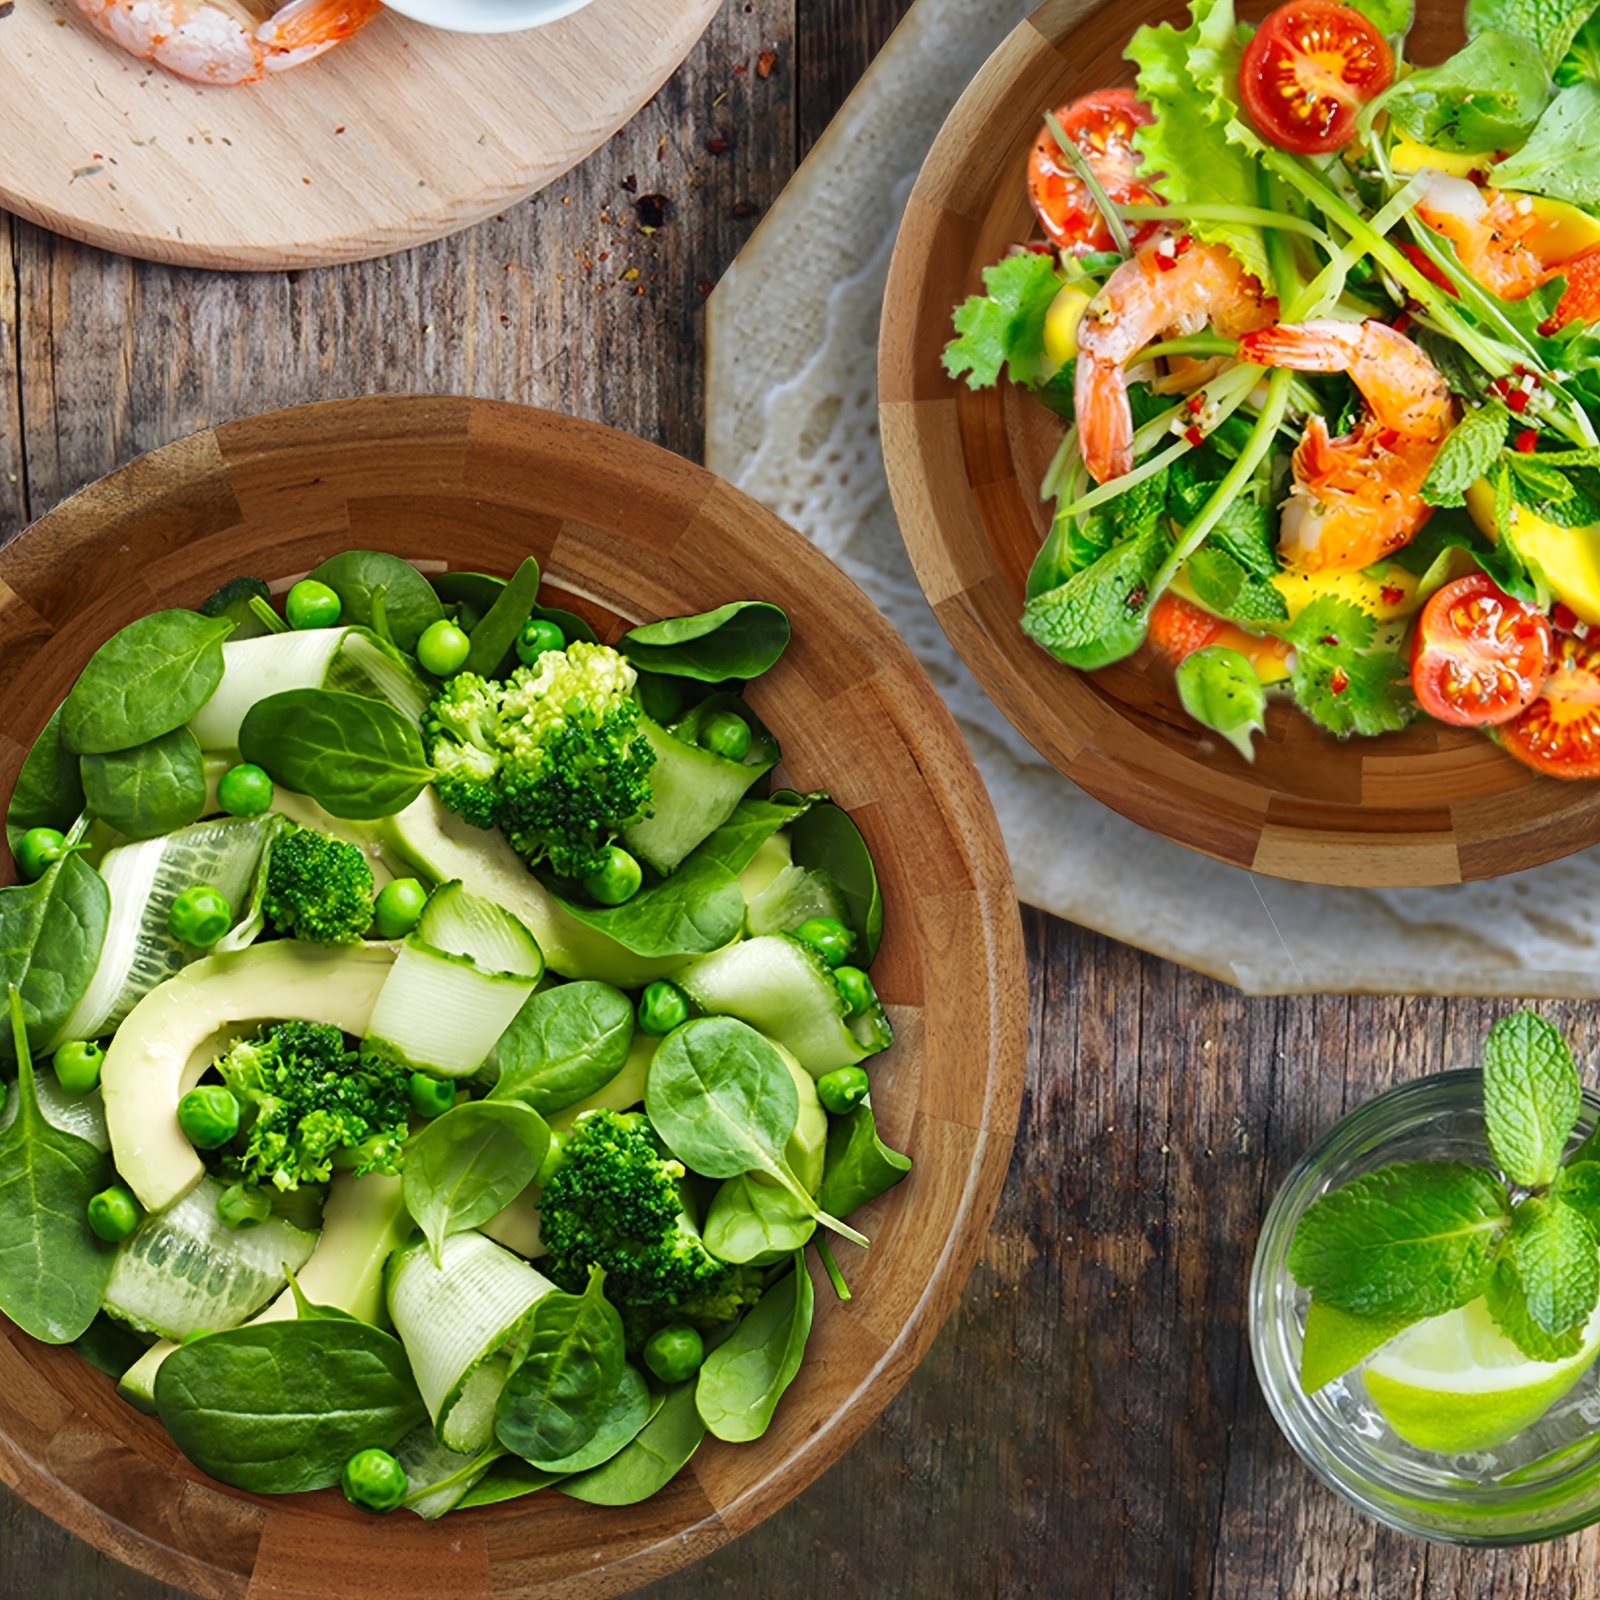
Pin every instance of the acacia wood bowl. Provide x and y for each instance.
(1429, 805)
(627, 533)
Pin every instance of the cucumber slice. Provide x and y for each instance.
(459, 980)
(438, 1477)
(367, 665)
(452, 1317)
(782, 988)
(769, 860)
(138, 1384)
(468, 1425)
(796, 894)
(185, 1268)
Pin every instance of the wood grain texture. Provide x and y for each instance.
(624, 532)
(400, 135)
(1430, 805)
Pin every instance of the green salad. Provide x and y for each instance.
(434, 1043)
(1324, 327)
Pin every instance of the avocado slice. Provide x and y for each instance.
(174, 1033)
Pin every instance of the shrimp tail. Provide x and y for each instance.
(304, 23)
(1303, 346)
(1105, 419)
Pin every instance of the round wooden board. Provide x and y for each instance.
(1430, 805)
(628, 533)
(398, 136)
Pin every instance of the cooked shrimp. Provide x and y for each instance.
(1169, 285)
(1491, 230)
(1357, 498)
(227, 41)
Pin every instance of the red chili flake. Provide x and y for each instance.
(1183, 245)
(1330, 639)
(1195, 403)
(1388, 439)
(1165, 263)
(1136, 597)
(1517, 399)
(1193, 434)
(1038, 247)
(1526, 441)
(1564, 617)
(765, 62)
(1419, 258)
(703, 287)
(716, 146)
(1402, 322)
(742, 67)
(745, 208)
(1476, 175)
(1339, 681)
(1391, 594)
(1520, 370)
(339, 129)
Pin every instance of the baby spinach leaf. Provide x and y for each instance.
(743, 1379)
(53, 1270)
(697, 910)
(508, 1479)
(1487, 96)
(751, 1221)
(739, 640)
(1222, 691)
(627, 1414)
(563, 1044)
(110, 1346)
(408, 604)
(826, 839)
(51, 933)
(650, 1462)
(49, 791)
(277, 1407)
(149, 789)
(858, 1166)
(496, 635)
(145, 681)
(470, 1163)
(566, 1368)
(753, 822)
(358, 758)
(1562, 156)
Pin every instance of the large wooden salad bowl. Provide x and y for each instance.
(1430, 805)
(629, 533)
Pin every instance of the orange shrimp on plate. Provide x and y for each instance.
(1358, 498)
(227, 41)
(1494, 233)
(1169, 286)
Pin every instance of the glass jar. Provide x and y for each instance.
(1542, 1483)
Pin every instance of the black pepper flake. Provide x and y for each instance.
(631, 184)
(651, 210)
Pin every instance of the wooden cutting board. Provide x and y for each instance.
(401, 135)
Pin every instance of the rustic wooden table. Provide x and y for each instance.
(1088, 1425)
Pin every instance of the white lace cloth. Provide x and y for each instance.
(792, 419)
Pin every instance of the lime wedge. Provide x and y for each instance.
(1456, 1384)
(1337, 1340)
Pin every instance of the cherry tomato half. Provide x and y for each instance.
(1178, 627)
(1308, 70)
(1101, 125)
(1560, 732)
(1479, 657)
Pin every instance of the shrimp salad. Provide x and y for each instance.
(1324, 329)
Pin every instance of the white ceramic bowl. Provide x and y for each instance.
(485, 16)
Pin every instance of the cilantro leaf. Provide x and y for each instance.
(1100, 609)
(1530, 1097)
(1558, 1264)
(1414, 1238)
(1550, 24)
(1223, 585)
(1339, 678)
(1508, 1305)
(1004, 326)
(1468, 452)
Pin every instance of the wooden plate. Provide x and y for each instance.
(400, 135)
(1427, 806)
(629, 533)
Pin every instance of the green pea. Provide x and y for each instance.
(78, 1063)
(617, 881)
(842, 1090)
(828, 937)
(726, 734)
(374, 1480)
(675, 1352)
(200, 916)
(245, 790)
(312, 605)
(37, 849)
(209, 1116)
(443, 648)
(855, 989)
(554, 1157)
(430, 1097)
(662, 1007)
(242, 1206)
(113, 1213)
(537, 636)
(398, 907)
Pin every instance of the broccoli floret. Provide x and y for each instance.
(553, 756)
(309, 1104)
(318, 887)
(616, 1202)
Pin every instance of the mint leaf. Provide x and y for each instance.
(1549, 493)
(1101, 602)
(1578, 1185)
(1468, 452)
(1243, 530)
(1508, 1305)
(1550, 24)
(1558, 1263)
(1340, 679)
(1335, 1341)
(1530, 1097)
(1562, 156)
(1221, 691)
(1004, 326)
(1411, 1239)
(1221, 584)
(1582, 60)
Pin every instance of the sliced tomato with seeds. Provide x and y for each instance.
(1479, 657)
(1559, 733)
(1308, 70)
(1102, 126)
